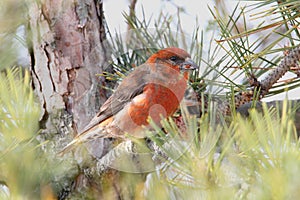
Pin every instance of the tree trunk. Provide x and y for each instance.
(67, 39)
(68, 51)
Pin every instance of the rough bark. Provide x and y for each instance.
(68, 50)
(67, 39)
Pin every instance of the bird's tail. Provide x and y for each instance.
(96, 132)
(69, 147)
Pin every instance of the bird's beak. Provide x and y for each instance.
(188, 64)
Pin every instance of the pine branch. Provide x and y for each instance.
(129, 157)
(261, 88)
(289, 61)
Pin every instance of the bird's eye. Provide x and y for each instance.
(174, 58)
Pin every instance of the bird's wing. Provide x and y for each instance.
(131, 86)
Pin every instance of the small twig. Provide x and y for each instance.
(287, 80)
(131, 12)
(295, 69)
(237, 67)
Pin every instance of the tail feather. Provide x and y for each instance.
(96, 132)
(69, 147)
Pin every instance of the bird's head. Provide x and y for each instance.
(174, 57)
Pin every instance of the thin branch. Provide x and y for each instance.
(290, 61)
(128, 157)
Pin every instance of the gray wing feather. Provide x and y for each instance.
(130, 87)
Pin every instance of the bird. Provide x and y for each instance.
(152, 90)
